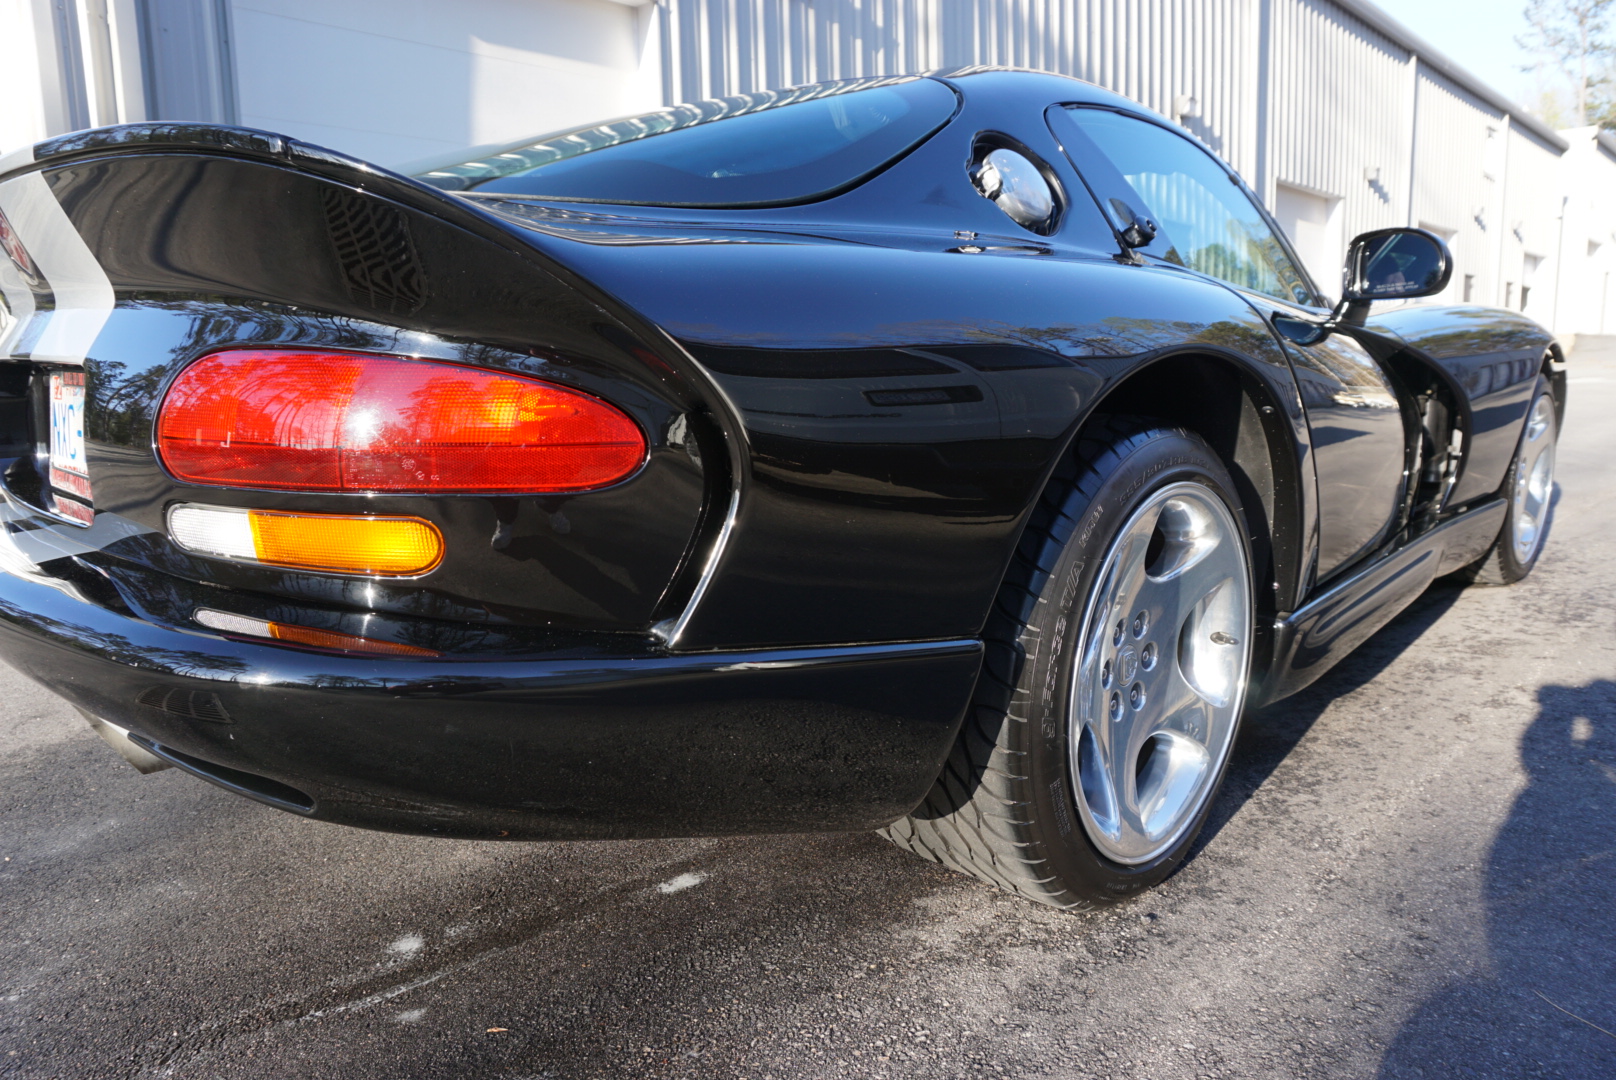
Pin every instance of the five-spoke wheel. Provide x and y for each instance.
(1534, 480)
(1118, 657)
(1529, 487)
(1161, 671)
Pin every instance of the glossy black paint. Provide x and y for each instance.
(209, 253)
(854, 405)
(1359, 437)
(586, 742)
(859, 522)
(1339, 619)
(1493, 359)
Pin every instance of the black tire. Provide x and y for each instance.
(1004, 808)
(1503, 564)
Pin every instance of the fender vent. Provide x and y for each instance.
(374, 249)
(187, 704)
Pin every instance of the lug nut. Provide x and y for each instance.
(1141, 623)
(1136, 695)
(1116, 635)
(1116, 705)
(1147, 657)
(1105, 674)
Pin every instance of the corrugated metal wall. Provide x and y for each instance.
(1315, 98)
(1461, 156)
(1150, 50)
(1340, 108)
(1295, 92)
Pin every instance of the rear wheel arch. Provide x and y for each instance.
(1007, 806)
(1245, 424)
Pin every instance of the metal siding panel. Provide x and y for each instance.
(1451, 183)
(1340, 97)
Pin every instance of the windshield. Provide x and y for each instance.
(768, 148)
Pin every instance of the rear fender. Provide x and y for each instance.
(904, 407)
(146, 247)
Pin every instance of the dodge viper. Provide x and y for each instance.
(956, 455)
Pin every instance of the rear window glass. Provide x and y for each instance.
(757, 149)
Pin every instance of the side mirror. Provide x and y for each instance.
(1395, 264)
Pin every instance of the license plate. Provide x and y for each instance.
(69, 471)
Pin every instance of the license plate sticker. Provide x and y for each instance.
(69, 471)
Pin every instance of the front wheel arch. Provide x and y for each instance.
(1554, 370)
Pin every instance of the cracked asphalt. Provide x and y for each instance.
(1411, 872)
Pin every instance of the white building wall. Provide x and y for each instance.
(393, 81)
(1461, 159)
(1340, 120)
(1532, 232)
(23, 86)
(68, 65)
(1587, 258)
(1340, 104)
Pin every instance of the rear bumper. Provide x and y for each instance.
(574, 746)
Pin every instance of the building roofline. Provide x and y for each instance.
(1373, 15)
(1606, 141)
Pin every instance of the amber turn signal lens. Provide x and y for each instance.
(392, 547)
(332, 543)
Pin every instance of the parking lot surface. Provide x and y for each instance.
(1411, 872)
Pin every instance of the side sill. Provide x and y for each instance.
(1318, 635)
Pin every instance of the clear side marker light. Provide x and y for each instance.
(213, 531)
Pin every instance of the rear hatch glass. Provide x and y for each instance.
(765, 149)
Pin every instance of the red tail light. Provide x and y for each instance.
(322, 421)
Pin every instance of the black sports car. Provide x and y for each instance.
(954, 455)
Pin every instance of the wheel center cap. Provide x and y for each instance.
(1127, 663)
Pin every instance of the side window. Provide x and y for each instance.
(1205, 221)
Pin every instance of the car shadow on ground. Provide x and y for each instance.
(1545, 1001)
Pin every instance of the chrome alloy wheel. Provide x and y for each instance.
(1161, 676)
(1534, 481)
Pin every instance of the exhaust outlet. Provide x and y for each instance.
(118, 738)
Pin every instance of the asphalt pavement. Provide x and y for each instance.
(1411, 872)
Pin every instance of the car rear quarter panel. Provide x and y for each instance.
(865, 518)
(204, 252)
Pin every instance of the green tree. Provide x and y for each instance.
(1573, 38)
(1602, 104)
